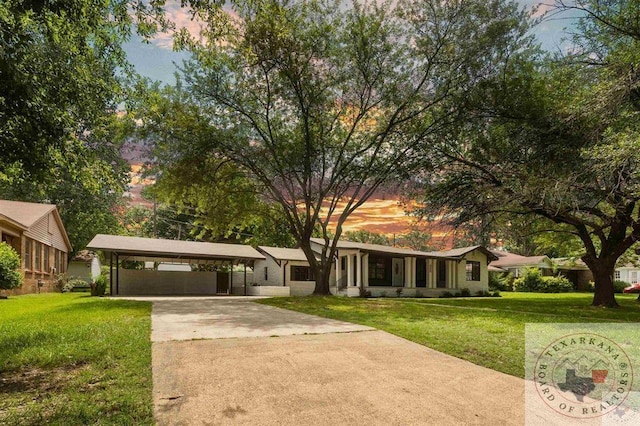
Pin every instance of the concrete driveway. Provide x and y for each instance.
(233, 317)
(268, 366)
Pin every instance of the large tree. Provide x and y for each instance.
(559, 139)
(321, 102)
(63, 73)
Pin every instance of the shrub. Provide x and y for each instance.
(482, 293)
(446, 295)
(530, 281)
(364, 293)
(399, 291)
(618, 286)
(60, 282)
(501, 281)
(495, 294)
(67, 287)
(75, 283)
(557, 284)
(10, 276)
(99, 286)
(591, 286)
(465, 292)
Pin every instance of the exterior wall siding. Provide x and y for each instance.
(47, 231)
(145, 282)
(474, 286)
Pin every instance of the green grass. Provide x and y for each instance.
(485, 331)
(73, 359)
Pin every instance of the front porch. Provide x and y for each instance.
(390, 275)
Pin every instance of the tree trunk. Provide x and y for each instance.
(322, 281)
(603, 294)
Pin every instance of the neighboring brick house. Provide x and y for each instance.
(36, 232)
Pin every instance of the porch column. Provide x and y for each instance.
(407, 271)
(338, 271)
(110, 273)
(349, 270)
(365, 272)
(358, 269)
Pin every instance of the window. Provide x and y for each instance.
(377, 269)
(56, 260)
(301, 273)
(266, 273)
(27, 254)
(380, 270)
(616, 275)
(38, 257)
(46, 259)
(473, 270)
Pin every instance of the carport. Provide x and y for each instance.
(214, 256)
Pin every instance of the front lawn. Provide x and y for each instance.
(73, 359)
(485, 331)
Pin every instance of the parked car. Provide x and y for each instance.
(634, 288)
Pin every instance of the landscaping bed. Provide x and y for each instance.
(74, 359)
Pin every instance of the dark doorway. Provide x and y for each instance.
(441, 279)
(421, 272)
(222, 282)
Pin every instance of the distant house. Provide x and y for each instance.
(85, 265)
(36, 232)
(573, 269)
(516, 264)
(628, 273)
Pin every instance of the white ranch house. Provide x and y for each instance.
(378, 269)
(273, 271)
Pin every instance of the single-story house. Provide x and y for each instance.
(222, 268)
(573, 269)
(85, 265)
(516, 264)
(628, 273)
(382, 270)
(377, 269)
(37, 233)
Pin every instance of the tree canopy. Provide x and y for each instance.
(319, 103)
(556, 138)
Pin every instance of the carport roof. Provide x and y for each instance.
(173, 249)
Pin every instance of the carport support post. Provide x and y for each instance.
(117, 274)
(230, 289)
(245, 278)
(111, 273)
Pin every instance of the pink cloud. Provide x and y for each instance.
(541, 9)
(182, 17)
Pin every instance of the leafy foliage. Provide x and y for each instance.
(364, 236)
(556, 138)
(10, 274)
(533, 281)
(320, 104)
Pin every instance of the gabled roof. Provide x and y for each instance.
(24, 214)
(462, 251)
(448, 254)
(284, 253)
(156, 247)
(506, 259)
